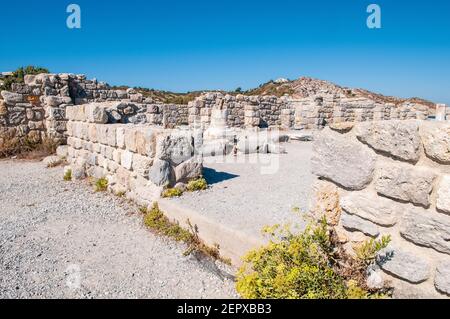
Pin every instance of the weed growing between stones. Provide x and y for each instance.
(68, 175)
(197, 185)
(309, 265)
(101, 185)
(160, 224)
(172, 192)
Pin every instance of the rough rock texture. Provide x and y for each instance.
(427, 229)
(399, 139)
(408, 201)
(406, 183)
(443, 195)
(403, 264)
(436, 141)
(355, 223)
(325, 202)
(343, 161)
(160, 173)
(368, 206)
(176, 148)
(442, 279)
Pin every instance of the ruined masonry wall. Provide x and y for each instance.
(37, 107)
(391, 178)
(137, 160)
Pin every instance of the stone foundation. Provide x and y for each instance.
(391, 178)
(137, 160)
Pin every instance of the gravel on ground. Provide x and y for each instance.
(249, 192)
(62, 240)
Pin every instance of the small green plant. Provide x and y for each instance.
(197, 185)
(155, 220)
(159, 223)
(172, 192)
(101, 185)
(68, 175)
(307, 265)
(367, 251)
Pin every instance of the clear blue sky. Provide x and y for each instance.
(189, 45)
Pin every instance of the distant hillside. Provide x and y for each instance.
(305, 87)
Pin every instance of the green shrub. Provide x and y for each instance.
(172, 192)
(304, 265)
(19, 75)
(197, 185)
(156, 220)
(68, 175)
(101, 185)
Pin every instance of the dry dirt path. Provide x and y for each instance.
(61, 240)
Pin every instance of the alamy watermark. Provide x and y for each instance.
(374, 19)
(74, 19)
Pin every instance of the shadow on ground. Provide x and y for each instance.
(213, 177)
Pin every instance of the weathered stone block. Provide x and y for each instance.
(12, 98)
(188, 170)
(342, 160)
(428, 229)
(176, 147)
(126, 159)
(406, 183)
(399, 139)
(403, 264)
(160, 173)
(442, 278)
(120, 138)
(355, 223)
(368, 206)
(112, 137)
(443, 195)
(130, 139)
(96, 114)
(436, 141)
(141, 165)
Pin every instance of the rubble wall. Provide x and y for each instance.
(391, 178)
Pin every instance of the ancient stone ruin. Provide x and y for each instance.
(391, 178)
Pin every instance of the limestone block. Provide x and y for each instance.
(368, 206)
(188, 170)
(12, 98)
(102, 133)
(120, 137)
(355, 223)
(343, 160)
(175, 147)
(95, 113)
(117, 155)
(130, 139)
(442, 278)
(126, 159)
(403, 264)
(427, 228)
(112, 137)
(160, 173)
(406, 183)
(92, 133)
(399, 139)
(436, 141)
(443, 195)
(141, 165)
(123, 177)
(325, 202)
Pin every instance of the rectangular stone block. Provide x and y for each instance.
(120, 137)
(406, 183)
(130, 139)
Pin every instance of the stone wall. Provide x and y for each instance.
(37, 106)
(243, 111)
(391, 178)
(137, 160)
(315, 112)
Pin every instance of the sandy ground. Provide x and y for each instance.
(61, 240)
(249, 192)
